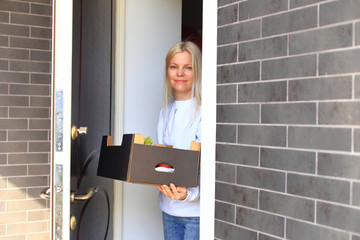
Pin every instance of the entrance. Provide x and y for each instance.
(145, 43)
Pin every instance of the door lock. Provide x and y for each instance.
(72, 222)
(75, 132)
(83, 197)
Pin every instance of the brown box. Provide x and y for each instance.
(135, 162)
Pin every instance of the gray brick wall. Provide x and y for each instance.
(288, 120)
(25, 78)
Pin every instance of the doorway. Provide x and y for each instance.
(151, 28)
(143, 107)
(191, 21)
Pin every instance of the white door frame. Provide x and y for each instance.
(119, 80)
(208, 120)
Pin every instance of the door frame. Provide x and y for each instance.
(208, 122)
(118, 110)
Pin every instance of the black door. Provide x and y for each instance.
(91, 108)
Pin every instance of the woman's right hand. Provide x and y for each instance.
(173, 192)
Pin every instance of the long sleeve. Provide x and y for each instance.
(179, 128)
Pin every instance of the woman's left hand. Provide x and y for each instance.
(173, 192)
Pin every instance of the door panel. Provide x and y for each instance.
(91, 108)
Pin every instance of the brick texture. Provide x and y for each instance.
(25, 73)
(288, 120)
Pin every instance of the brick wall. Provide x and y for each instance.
(288, 120)
(25, 77)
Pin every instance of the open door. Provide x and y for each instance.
(91, 196)
(82, 79)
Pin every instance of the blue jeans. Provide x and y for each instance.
(180, 228)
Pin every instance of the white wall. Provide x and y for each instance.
(151, 28)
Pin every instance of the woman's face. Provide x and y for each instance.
(180, 75)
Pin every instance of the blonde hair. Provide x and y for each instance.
(168, 93)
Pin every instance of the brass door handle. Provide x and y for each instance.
(75, 132)
(45, 194)
(82, 197)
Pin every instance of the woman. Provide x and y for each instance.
(180, 124)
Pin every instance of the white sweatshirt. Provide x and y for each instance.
(179, 130)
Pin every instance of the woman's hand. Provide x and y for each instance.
(173, 192)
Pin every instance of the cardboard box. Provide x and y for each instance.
(138, 163)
